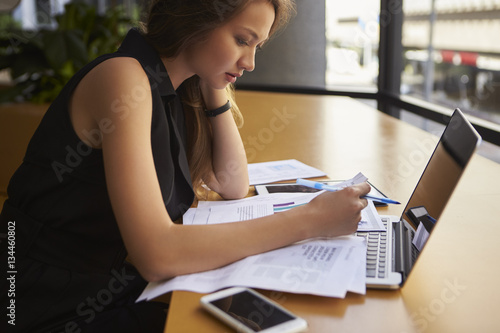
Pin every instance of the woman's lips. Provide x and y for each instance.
(231, 77)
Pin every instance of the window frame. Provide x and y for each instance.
(388, 97)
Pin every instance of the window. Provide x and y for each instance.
(352, 36)
(450, 58)
(37, 14)
(414, 59)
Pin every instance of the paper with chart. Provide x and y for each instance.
(209, 212)
(325, 267)
(268, 172)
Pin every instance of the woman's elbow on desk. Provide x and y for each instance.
(152, 275)
(236, 188)
(237, 193)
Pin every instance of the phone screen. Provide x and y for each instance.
(292, 188)
(252, 311)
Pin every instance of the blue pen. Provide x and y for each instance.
(321, 186)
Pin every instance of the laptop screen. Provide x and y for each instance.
(440, 177)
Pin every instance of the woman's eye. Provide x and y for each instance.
(241, 41)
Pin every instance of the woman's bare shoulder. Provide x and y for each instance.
(116, 90)
(115, 74)
(119, 79)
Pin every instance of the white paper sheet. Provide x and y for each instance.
(326, 267)
(357, 179)
(242, 212)
(209, 212)
(268, 172)
(261, 205)
(421, 236)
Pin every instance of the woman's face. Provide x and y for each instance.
(230, 49)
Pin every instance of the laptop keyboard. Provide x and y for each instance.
(376, 253)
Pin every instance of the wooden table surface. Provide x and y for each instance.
(453, 287)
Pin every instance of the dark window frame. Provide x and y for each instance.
(388, 97)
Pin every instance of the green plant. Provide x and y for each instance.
(41, 62)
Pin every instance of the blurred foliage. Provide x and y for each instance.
(41, 62)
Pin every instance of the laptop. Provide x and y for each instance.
(391, 254)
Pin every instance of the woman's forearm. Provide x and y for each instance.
(229, 162)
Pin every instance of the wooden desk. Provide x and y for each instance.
(453, 287)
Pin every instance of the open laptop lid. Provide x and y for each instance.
(440, 177)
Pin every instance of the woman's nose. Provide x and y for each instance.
(247, 61)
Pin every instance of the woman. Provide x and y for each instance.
(119, 156)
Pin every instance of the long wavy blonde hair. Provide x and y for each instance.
(173, 25)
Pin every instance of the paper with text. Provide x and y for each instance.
(268, 172)
(209, 212)
(326, 267)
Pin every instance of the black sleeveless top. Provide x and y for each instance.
(58, 197)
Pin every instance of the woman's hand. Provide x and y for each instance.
(212, 97)
(337, 213)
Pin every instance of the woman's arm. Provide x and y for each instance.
(159, 248)
(229, 162)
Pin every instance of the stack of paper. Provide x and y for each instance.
(326, 267)
(211, 212)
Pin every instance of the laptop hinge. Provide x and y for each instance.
(397, 245)
(406, 254)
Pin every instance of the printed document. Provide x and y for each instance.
(326, 267)
(209, 212)
(268, 172)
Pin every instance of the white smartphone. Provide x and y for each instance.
(248, 311)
